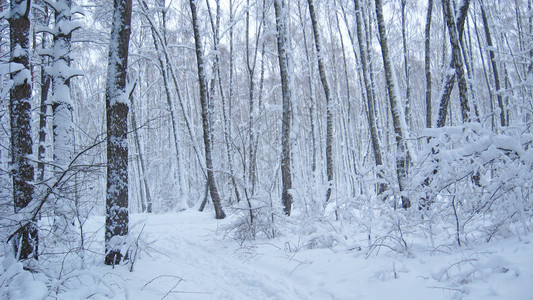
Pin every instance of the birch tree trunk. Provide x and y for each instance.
(367, 79)
(25, 241)
(329, 101)
(146, 205)
(494, 64)
(427, 62)
(215, 24)
(286, 83)
(207, 130)
(450, 75)
(406, 66)
(530, 66)
(170, 102)
(117, 217)
(402, 152)
(454, 35)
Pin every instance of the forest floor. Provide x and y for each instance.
(191, 256)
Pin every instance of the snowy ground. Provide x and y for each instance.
(191, 259)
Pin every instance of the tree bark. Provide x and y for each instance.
(453, 68)
(142, 171)
(26, 241)
(403, 158)
(329, 101)
(406, 66)
(204, 99)
(286, 84)
(458, 58)
(427, 62)
(43, 20)
(367, 79)
(117, 217)
(494, 65)
(62, 126)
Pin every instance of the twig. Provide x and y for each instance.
(161, 276)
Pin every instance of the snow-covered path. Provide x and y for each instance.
(191, 259)
(208, 266)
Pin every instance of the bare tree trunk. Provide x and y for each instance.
(494, 65)
(204, 98)
(372, 124)
(160, 42)
(117, 217)
(329, 101)
(406, 66)
(169, 70)
(485, 73)
(427, 60)
(170, 103)
(142, 172)
(26, 240)
(530, 66)
(43, 109)
(457, 26)
(286, 84)
(350, 143)
(458, 58)
(311, 83)
(403, 158)
(215, 24)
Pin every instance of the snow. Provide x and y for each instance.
(189, 255)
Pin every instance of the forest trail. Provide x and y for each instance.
(195, 262)
(192, 257)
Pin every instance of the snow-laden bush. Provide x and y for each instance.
(258, 217)
(472, 183)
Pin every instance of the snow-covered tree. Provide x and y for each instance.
(117, 216)
(280, 7)
(206, 123)
(25, 241)
(403, 159)
(61, 73)
(329, 100)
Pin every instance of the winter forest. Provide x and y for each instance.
(266, 149)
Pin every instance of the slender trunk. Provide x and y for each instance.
(457, 26)
(142, 172)
(485, 73)
(253, 163)
(43, 109)
(286, 85)
(117, 217)
(406, 66)
(350, 146)
(530, 66)
(455, 38)
(372, 124)
(169, 67)
(494, 65)
(329, 101)
(170, 102)
(311, 91)
(403, 158)
(427, 58)
(217, 74)
(204, 99)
